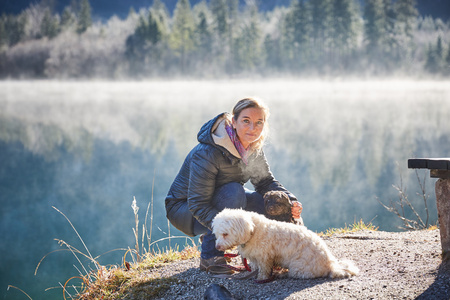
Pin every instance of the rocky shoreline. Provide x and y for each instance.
(393, 265)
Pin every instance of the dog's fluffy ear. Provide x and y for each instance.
(245, 225)
(250, 225)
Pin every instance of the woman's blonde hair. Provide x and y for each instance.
(254, 103)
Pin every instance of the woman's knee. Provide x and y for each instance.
(230, 195)
(255, 202)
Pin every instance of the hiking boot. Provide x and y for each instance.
(215, 265)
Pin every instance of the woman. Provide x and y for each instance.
(212, 176)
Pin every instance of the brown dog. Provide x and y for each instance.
(278, 207)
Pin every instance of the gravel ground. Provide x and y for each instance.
(404, 265)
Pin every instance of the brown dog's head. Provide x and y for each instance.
(278, 206)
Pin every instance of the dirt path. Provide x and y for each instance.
(403, 265)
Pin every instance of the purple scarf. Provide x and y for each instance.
(237, 143)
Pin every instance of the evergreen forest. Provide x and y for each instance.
(226, 39)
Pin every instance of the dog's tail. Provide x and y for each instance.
(343, 269)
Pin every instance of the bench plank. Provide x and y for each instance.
(429, 163)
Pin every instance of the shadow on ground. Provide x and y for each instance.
(440, 289)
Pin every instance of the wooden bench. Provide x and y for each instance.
(439, 168)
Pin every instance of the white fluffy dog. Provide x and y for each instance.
(268, 243)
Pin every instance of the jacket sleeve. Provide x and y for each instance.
(202, 183)
(263, 179)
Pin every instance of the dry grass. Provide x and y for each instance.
(432, 227)
(357, 226)
(131, 281)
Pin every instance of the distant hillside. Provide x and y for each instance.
(107, 8)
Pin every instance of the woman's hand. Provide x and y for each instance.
(296, 209)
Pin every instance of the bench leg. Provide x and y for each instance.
(443, 208)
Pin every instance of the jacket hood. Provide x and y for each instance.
(214, 133)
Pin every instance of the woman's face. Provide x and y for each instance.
(249, 125)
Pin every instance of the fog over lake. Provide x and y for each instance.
(88, 148)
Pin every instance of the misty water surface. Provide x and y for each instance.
(88, 148)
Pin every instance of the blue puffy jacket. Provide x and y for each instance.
(211, 164)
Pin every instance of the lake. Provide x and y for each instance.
(88, 148)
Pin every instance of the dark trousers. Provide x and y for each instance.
(230, 195)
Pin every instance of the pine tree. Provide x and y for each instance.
(220, 14)
(389, 16)
(406, 24)
(435, 62)
(153, 30)
(141, 30)
(439, 52)
(431, 63)
(322, 28)
(67, 19)
(84, 17)
(407, 16)
(160, 7)
(344, 27)
(49, 25)
(182, 36)
(137, 46)
(233, 28)
(203, 36)
(233, 11)
(374, 27)
(146, 36)
(221, 44)
(48, 4)
(3, 33)
(247, 53)
(131, 13)
(302, 22)
(447, 61)
(298, 35)
(273, 52)
(439, 48)
(145, 48)
(161, 17)
(287, 46)
(14, 28)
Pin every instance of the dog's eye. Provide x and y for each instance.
(225, 235)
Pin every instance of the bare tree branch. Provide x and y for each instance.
(399, 208)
